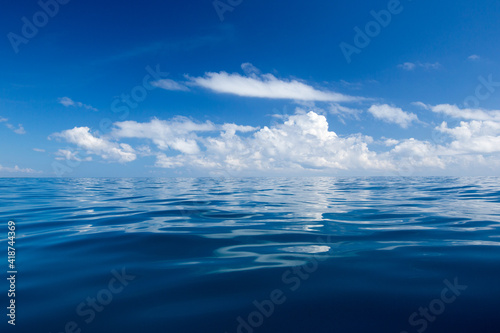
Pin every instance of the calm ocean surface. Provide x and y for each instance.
(254, 254)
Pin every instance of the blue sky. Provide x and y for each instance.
(231, 87)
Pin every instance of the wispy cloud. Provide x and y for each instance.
(465, 113)
(352, 85)
(39, 150)
(407, 66)
(249, 69)
(66, 154)
(17, 169)
(473, 57)
(392, 114)
(168, 84)
(266, 86)
(343, 111)
(220, 34)
(410, 66)
(18, 130)
(66, 101)
(427, 65)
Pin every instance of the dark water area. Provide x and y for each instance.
(253, 254)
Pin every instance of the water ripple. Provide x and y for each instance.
(212, 246)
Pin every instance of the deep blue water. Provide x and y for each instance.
(254, 254)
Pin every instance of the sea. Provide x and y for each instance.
(250, 255)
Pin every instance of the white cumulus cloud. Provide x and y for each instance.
(478, 133)
(392, 114)
(108, 150)
(178, 134)
(302, 143)
(474, 136)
